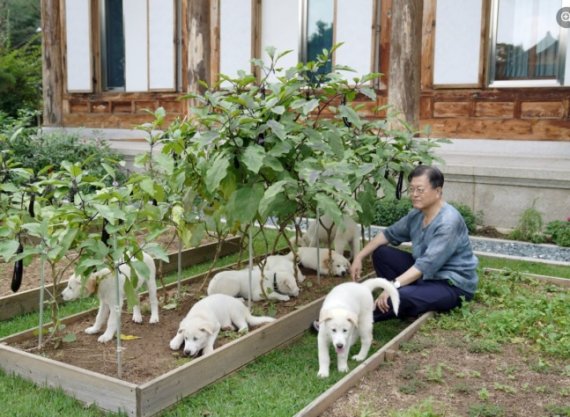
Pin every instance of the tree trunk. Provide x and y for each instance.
(199, 44)
(52, 62)
(405, 61)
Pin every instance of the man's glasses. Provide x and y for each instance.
(418, 191)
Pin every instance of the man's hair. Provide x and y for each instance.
(435, 176)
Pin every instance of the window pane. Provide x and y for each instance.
(527, 40)
(319, 29)
(114, 44)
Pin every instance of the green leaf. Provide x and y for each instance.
(328, 206)
(253, 158)
(217, 172)
(8, 248)
(277, 128)
(130, 292)
(156, 251)
(147, 185)
(165, 163)
(111, 214)
(351, 115)
(368, 92)
(244, 203)
(310, 105)
(69, 338)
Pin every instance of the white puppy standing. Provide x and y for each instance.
(343, 234)
(340, 266)
(199, 329)
(103, 283)
(346, 313)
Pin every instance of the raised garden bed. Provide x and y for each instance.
(27, 301)
(149, 394)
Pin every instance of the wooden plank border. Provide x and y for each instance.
(563, 282)
(27, 301)
(87, 386)
(323, 401)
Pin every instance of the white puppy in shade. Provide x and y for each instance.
(199, 329)
(278, 285)
(339, 265)
(344, 234)
(346, 314)
(103, 283)
(283, 263)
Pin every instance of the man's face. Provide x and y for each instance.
(422, 194)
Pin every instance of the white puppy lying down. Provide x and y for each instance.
(346, 233)
(283, 263)
(277, 285)
(346, 314)
(308, 258)
(200, 328)
(103, 283)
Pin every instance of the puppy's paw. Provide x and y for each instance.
(343, 368)
(323, 373)
(104, 338)
(91, 330)
(175, 344)
(153, 320)
(358, 358)
(137, 318)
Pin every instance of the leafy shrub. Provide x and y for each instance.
(467, 214)
(20, 79)
(529, 227)
(390, 210)
(560, 232)
(37, 152)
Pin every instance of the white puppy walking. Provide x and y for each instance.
(339, 265)
(346, 313)
(279, 285)
(103, 283)
(199, 329)
(344, 234)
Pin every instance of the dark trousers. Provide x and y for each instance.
(418, 297)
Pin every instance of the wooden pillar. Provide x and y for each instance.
(52, 63)
(199, 44)
(405, 60)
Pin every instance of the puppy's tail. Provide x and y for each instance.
(257, 320)
(376, 283)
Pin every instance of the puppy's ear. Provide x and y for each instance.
(353, 318)
(91, 284)
(206, 329)
(325, 315)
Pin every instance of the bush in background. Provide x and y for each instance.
(559, 232)
(468, 216)
(390, 210)
(529, 227)
(35, 151)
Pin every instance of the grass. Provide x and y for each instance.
(284, 380)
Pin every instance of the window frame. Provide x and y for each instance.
(103, 51)
(559, 80)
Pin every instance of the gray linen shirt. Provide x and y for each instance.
(441, 250)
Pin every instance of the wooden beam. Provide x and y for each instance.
(52, 62)
(405, 61)
(428, 44)
(199, 44)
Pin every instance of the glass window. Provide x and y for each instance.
(526, 44)
(319, 29)
(113, 45)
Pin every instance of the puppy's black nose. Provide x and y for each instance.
(343, 273)
(339, 345)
